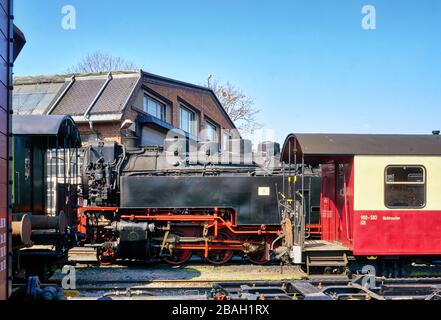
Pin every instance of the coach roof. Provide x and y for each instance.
(60, 126)
(317, 145)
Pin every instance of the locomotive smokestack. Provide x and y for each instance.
(435, 132)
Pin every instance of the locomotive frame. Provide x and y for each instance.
(203, 231)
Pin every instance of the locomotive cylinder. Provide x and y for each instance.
(134, 239)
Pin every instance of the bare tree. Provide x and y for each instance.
(99, 61)
(238, 105)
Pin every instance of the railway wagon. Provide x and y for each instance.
(4, 149)
(380, 198)
(11, 43)
(44, 192)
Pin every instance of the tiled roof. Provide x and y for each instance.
(79, 97)
(116, 95)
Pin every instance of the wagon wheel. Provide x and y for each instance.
(258, 256)
(177, 256)
(219, 257)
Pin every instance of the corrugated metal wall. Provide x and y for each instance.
(6, 33)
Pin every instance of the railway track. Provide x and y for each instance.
(196, 281)
(328, 288)
(103, 285)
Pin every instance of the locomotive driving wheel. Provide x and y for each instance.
(256, 251)
(219, 257)
(177, 256)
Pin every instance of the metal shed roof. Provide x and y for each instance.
(40, 94)
(35, 98)
(320, 145)
(60, 126)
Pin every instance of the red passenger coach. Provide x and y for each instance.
(380, 195)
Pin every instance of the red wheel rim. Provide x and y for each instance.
(178, 256)
(218, 257)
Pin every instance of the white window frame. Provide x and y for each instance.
(163, 105)
(226, 138)
(193, 125)
(215, 128)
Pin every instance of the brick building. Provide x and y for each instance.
(127, 106)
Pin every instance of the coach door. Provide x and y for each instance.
(335, 201)
(343, 201)
(328, 208)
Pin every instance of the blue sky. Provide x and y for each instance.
(308, 65)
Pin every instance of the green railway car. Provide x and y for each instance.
(44, 191)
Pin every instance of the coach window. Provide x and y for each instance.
(405, 187)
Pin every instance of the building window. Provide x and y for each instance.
(211, 132)
(188, 121)
(154, 107)
(226, 139)
(405, 187)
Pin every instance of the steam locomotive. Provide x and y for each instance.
(180, 200)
